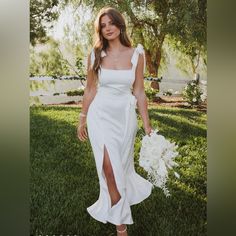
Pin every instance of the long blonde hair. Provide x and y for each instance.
(100, 42)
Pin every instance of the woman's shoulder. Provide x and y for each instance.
(92, 53)
(138, 55)
(91, 57)
(139, 49)
(131, 50)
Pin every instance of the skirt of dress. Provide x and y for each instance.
(112, 122)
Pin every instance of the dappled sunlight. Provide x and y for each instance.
(182, 120)
(190, 190)
(191, 113)
(56, 154)
(56, 113)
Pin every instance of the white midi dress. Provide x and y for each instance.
(112, 122)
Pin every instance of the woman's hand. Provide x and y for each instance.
(148, 129)
(81, 129)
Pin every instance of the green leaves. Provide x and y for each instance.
(41, 13)
(192, 93)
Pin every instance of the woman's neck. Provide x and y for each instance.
(115, 46)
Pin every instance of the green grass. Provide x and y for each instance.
(64, 179)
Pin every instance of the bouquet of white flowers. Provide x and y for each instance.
(156, 157)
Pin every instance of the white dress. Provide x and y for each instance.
(112, 121)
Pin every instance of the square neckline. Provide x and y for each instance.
(120, 69)
(116, 69)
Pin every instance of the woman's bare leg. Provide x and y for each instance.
(112, 188)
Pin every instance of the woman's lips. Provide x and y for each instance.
(109, 34)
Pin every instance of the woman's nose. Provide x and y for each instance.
(108, 28)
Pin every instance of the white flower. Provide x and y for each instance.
(157, 157)
(194, 99)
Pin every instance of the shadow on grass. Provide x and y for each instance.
(64, 183)
(183, 123)
(180, 214)
(190, 113)
(63, 177)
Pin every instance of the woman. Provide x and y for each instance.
(108, 107)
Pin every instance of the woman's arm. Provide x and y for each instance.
(89, 94)
(139, 93)
(90, 89)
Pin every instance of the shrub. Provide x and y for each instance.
(192, 93)
(55, 94)
(151, 93)
(79, 92)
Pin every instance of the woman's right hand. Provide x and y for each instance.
(81, 130)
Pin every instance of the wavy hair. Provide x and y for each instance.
(100, 42)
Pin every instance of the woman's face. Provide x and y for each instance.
(108, 29)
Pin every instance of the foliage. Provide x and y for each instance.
(190, 55)
(79, 92)
(56, 94)
(34, 67)
(48, 62)
(151, 21)
(80, 66)
(192, 93)
(42, 14)
(57, 58)
(193, 41)
(79, 33)
(153, 79)
(63, 176)
(151, 93)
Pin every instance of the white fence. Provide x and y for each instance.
(42, 89)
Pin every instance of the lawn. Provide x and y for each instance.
(64, 179)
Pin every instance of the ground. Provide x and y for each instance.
(163, 101)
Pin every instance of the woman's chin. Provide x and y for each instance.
(112, 38)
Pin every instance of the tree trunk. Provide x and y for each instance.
(150, 64)
(153, 65)
(158, 59)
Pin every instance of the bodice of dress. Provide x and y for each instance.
(118, 82)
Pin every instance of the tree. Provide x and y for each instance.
(49, 62)
(42, 15)
(192, 40)
(151, 21)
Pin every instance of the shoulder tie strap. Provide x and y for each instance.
(92, 57)
(134, 60)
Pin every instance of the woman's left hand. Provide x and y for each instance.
(148, 130)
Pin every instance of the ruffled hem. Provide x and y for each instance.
(138, 188)
(118, 214)
(136, 191)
